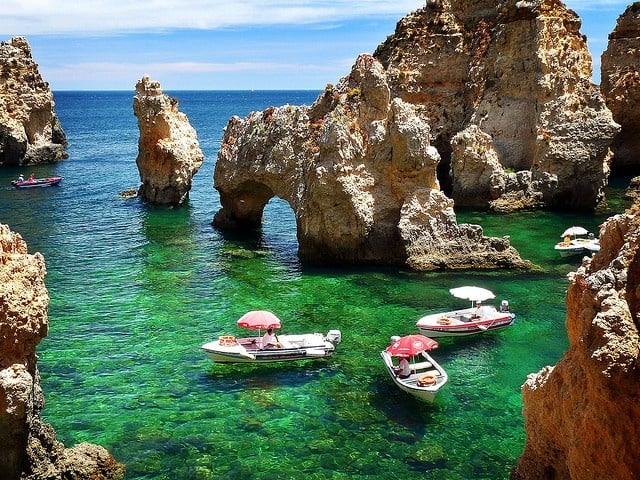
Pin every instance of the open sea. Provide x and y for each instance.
(136, 290)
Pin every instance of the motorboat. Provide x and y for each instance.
(479, 318)
(577, 241)
(37, 182)
(424, 376)
(252, 349)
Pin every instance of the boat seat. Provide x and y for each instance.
(420, 366)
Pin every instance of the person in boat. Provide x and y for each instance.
(32, 178)
(270, 340)
(20, 178)
(403, 370)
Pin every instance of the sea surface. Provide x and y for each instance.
(136, 290)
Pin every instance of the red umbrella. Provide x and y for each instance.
(259, 320)
(411, 345)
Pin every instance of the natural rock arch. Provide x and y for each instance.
(359, 173)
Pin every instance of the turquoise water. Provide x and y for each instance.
(136, 290)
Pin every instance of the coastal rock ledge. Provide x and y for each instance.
(169, 154)
(30, 132)
(28, 446)
(582, 416)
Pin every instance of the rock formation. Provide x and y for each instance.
(168, 151)
(620, 85)
(30, 132)
(582, 416)
(359, 173)
(519, 71)
(28, 447)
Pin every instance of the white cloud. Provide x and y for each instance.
(37, 17)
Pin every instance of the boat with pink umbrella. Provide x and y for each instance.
(262, 349)
(421, 376)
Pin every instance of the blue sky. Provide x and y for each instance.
(222, 45)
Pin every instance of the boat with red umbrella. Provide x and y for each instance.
(412, 369)
(257, 349)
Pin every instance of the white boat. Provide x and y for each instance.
(577, 241)
(479, 318)
(426, 377)
(306, 346)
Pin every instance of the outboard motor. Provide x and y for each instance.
(504, 306)
(334, 336)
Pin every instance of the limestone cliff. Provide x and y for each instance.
(30, 132)
(358, 170)
(582, 416)
(28, 447)
(169, 154)
(520, 72)
(620, 74)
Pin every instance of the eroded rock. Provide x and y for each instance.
(359, 172)
(169, 154)
(620, 74)
(519, 71)
(582, 416)
(30, 450)
(30, 132)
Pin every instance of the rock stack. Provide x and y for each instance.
(169, 154)
(30, 132)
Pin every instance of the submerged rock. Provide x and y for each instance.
(359, 172)
(620, 73)
(30, 132)
(582, 416)
(169, 154)
(29, 449)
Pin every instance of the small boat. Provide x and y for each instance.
(424, 376)
(306, 346)
(37, 182)
(577, 241)
(478, 318)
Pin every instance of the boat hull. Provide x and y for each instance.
(411, 385)
(471, 321)
(310, 346)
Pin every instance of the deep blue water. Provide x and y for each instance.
(136, 290)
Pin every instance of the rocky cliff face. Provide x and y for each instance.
(30, 132)
(169, 154)
(359, 172)
(582, 416)
(28, 447)
(519, 71)
(620, 74)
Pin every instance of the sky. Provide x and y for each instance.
(222, 45)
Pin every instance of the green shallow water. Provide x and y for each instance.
(136, 290)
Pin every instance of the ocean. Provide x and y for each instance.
(136, 290)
